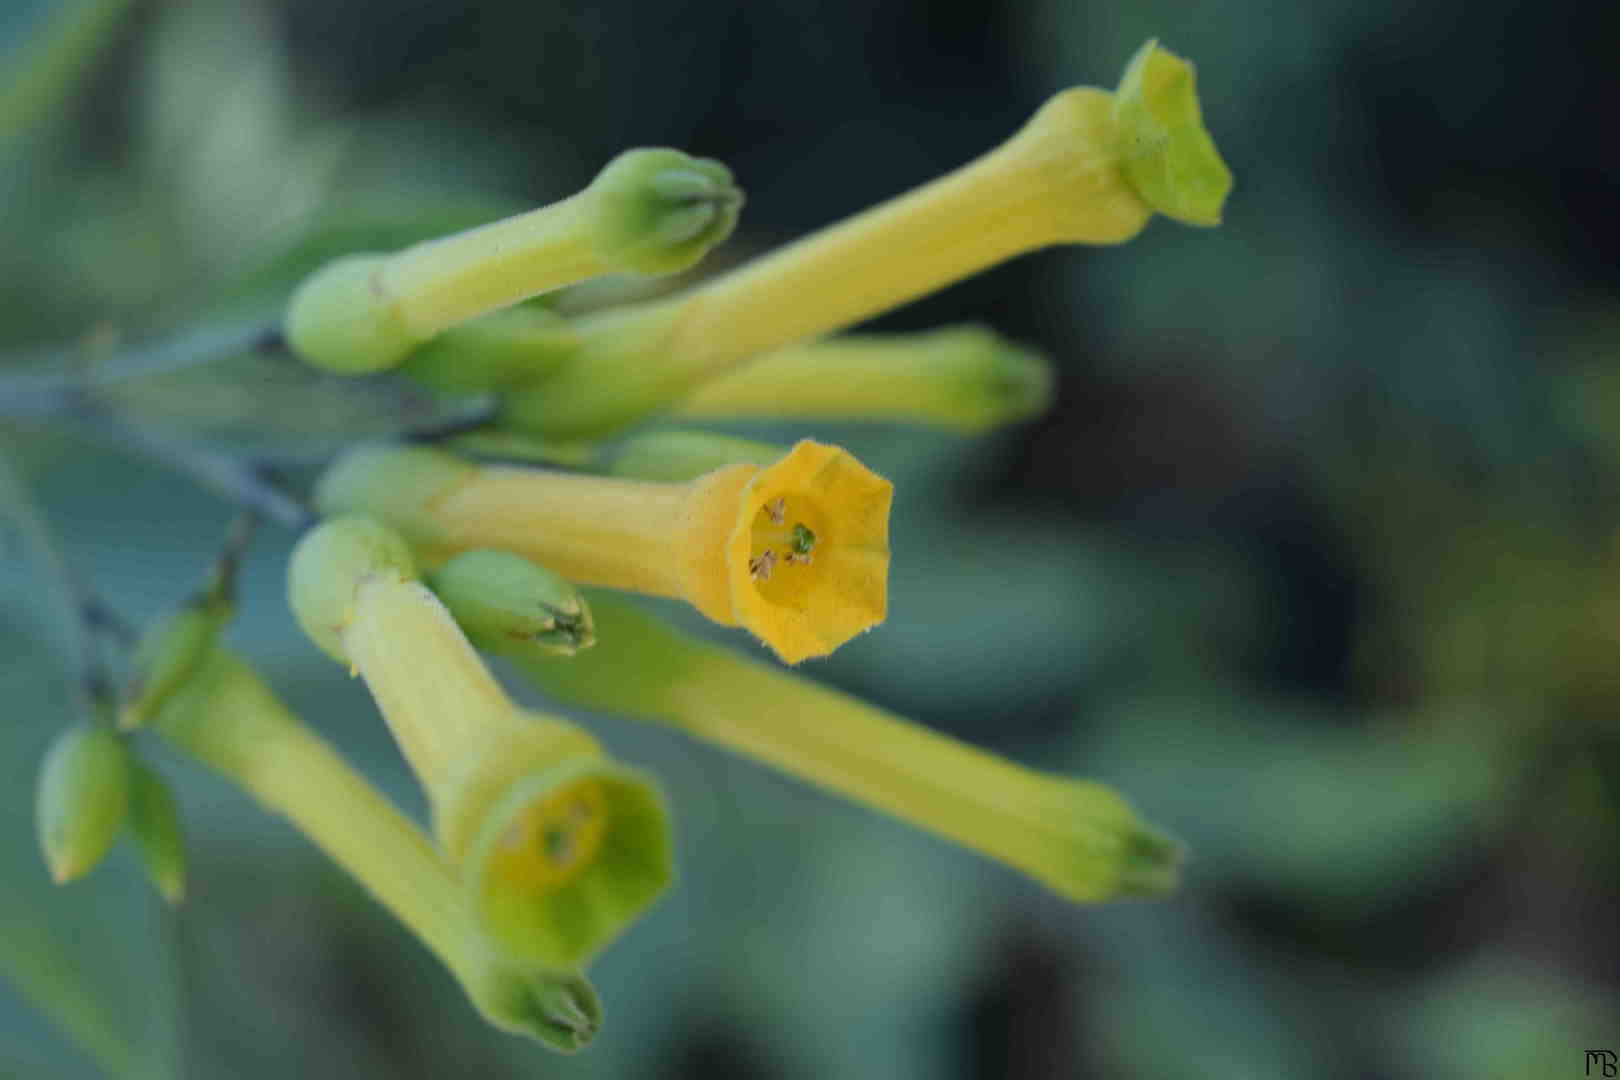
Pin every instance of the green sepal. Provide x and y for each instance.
(561, 1009)
(154, 820)
(1166, 152)
(82, 799)
(503, 601)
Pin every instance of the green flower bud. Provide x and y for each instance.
(397, 484)
(155, 821)
(504, 600)
(659, 211)
(81, 800)
(330, 563)
(494, 351)
(649, 211)
(965, 378)
(560, 1009)
(169, 651)
(674, 457)
(1165, 150)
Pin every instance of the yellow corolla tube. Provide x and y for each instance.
(1078, 837)
(650, 211)
(796, 552)
(560, 847)
(225, 716)
(1091, 166)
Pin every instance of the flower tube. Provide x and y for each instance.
(226, 717)
(796, 552)
(652, 211)
(559, 847)
(1079, 838)
(1090, 167)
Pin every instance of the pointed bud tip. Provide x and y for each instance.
(81, 800)
(507, 604)
(559, 1009)
(1151, 865)
(661, 210)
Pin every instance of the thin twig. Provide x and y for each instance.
(100, 615)
(55, 377)
(72, 593)
(236, 481)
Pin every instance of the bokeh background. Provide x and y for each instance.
(1315, 557)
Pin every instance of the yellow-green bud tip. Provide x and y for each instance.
(329, 565)
(505, 603)
(1095, 847)
(560, 1009)
(659, 211)
(340, 321)
(1167, 154)
(82, 799)
(1150, 864)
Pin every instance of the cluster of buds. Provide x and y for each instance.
(542, 848)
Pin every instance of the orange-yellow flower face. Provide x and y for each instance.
(807, 562)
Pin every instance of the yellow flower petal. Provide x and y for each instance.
(805, 604)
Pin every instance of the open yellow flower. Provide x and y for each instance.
(796, 552)
(559, 847)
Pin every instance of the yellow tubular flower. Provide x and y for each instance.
(1090, 167)
(796, 552)
(560, 847)
(226, 717)
(651, 211)
(1079, 838)
(964, 378)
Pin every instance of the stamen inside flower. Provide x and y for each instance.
(554, 839)
(776, 543)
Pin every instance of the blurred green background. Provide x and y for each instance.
(1315, 558)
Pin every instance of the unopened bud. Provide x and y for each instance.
(333, 560)
(651, 211)
(81, 800)
(155, 821)
(674, 457)
(965, 378)
(494, 351)
(561, 1009)
(504, 602)
(169, 651)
